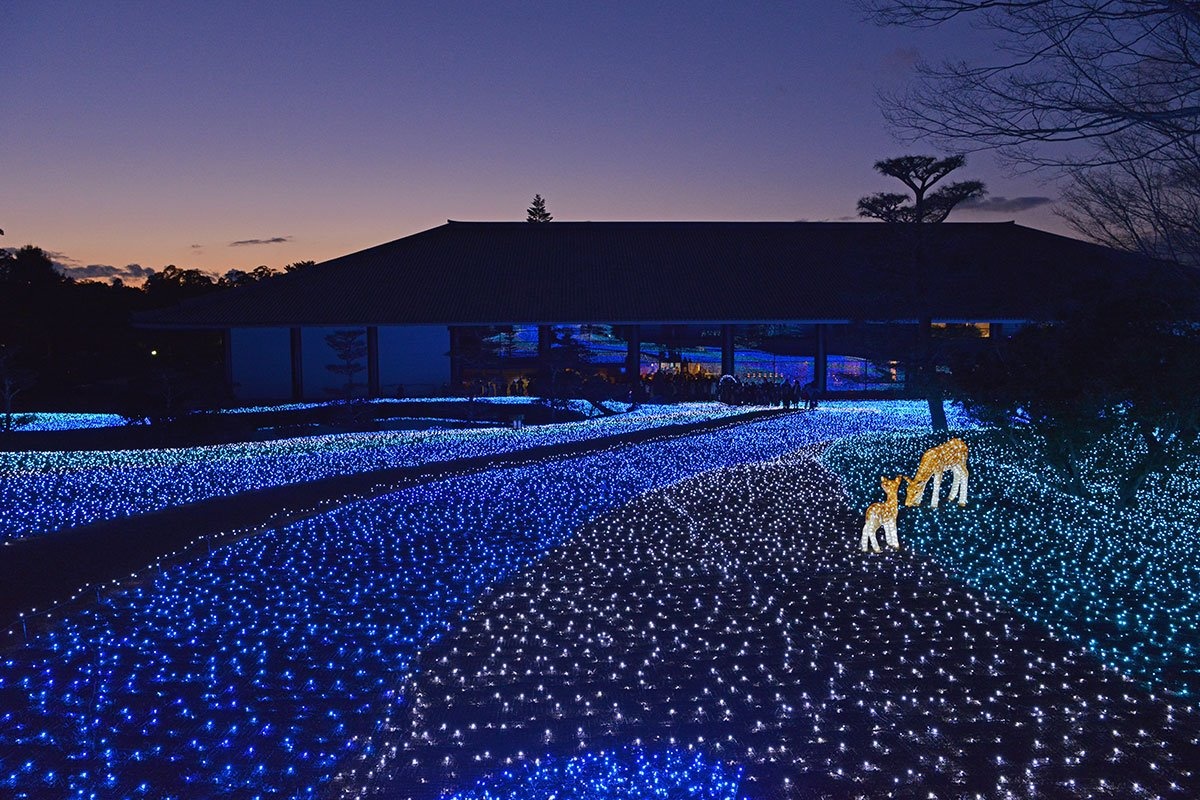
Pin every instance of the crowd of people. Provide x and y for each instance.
(655, 387)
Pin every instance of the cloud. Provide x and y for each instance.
(902, 58)
(272, 240)
(1005, 205)
(129, 272)
(60, 260)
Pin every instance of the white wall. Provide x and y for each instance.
(262, 363)
(415, 357)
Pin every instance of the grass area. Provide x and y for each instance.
(1123, 583)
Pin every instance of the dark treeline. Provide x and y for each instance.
(71, 345)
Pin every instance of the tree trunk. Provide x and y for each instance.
(1155, 451)
(937, 410)
(1061, 456)
(928, 370)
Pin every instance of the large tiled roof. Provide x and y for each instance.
(517, 272)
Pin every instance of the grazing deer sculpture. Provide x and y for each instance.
(950, 456)
(883, 515)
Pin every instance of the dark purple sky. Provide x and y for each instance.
(219, 135)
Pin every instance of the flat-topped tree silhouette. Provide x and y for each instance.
(920, 174)
(926, 205)
(537, 211)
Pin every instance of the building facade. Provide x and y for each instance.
(496, 307)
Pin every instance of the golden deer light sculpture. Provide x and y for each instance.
(883, 515)
(951, 456)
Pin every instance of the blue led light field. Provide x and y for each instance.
(259, 669)
(42, 492)
(1124, 583)
(732, 614)
(628, 774)
(59, 421)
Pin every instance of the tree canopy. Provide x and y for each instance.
(919, 174)
(1103, 92)
(537, 211)
(1070, 72)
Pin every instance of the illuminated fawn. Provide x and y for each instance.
(950, 456)
(883, 515)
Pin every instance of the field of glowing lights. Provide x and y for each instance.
(41, 492)
(684, 617)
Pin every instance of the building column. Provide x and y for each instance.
(227, 342)
(633, 353)
(820, 362)
(545, 343)
(372, 361)
(727, 350)
(297, 364)
(455, 361)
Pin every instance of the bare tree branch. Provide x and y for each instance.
(1142, 205)
(1070, 72)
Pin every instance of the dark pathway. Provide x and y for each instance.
(733, 613)
(41, 570)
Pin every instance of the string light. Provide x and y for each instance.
(45, 491)
(1123, 583)
(732, 614)
(264, 667)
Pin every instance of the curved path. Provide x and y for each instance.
(732, 613)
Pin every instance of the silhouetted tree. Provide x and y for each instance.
(30, 266)
(299, 265)
(1070, 71)
(172, 285)
(1112, 386)
(567, 358)
(1141, 205)
(926, 205)
(920, 174)
(348, 347)
(537, 211)
(238, 277)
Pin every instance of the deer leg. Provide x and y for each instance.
(868, 536)
(960, 485)
(890, 533)
(937, 487)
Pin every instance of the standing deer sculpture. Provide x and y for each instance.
(951, 456)
(883, 515)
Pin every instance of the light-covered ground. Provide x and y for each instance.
(67, 421)
(262, 669)
(1123, 583)
(732, 616)
(71, 420)
(45, 491)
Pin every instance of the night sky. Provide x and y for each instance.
(222, 135)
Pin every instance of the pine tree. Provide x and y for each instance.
(348, 347)
(920, 174)
(537, 212)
